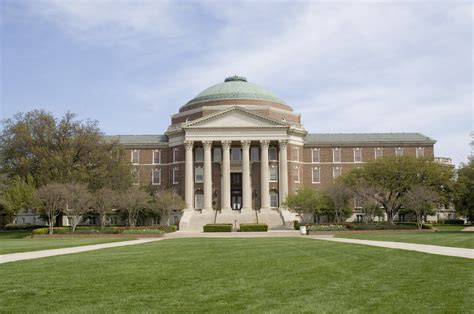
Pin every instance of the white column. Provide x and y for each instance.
(207, 175)
(188, 175)
(283, 173)
(246, 184)
(264, 176)
(225, 193)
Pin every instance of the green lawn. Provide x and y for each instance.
(454, 239)
(20, 241)
(253, 275)
(450, 227)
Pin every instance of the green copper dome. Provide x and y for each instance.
(233, 88)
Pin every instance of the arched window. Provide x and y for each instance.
(273, 198)
(198, 199)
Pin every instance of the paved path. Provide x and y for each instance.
(13, 257)
(431, 249)
(468, 229)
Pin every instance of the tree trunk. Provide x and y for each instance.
(390, 216)
(51, 225)
(215, 216)
(419, 221)
(103, 217)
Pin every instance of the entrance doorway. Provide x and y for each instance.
(236, 191)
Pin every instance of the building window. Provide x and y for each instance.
(217, 154)
(357, 154)
(254, 154)
(135, 157)
(199, 174)
(156, 177)
(296, 174)
(34, 220)
(378, 152)
(199, 200)
(315, 155)
(175, 154)
(336, 154)
(336, 172)
(156, 157)
(199, 154)
(273, 198)
(359, 218)
(357, 202)
(316, 175)
(399, 151)
(273, 173)
(135, 176)
(272, 153)
(420, 152)
(175, 175)
(236, 154)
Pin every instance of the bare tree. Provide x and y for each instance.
(370, 206)
(53, 199)
(420, 200)
(133, 201)
(165, 202)
(78, 202)
(103, 201)
(339, 195)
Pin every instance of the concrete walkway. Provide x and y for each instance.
(13, 257)
(468, 229)
(424, 248)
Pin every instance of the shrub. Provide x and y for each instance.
(327, 228)
(414, 225)
(253, 227)
(453, 221)
(217, 228)
(143, 231)
(56, 230)
(22, 227)
(296, 224)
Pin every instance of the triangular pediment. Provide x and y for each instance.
(235, 117)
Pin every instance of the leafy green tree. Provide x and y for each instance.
(306, 203)
(420, 200)
(19, 194)
(103, 202)
(166, 202)
(133, 202)
(78, 201)
(61, 150)
(464, 199)
(53, 197)
(392, 177)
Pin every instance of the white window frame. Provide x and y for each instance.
(399, 151)
(175, 154)
(156, 152)
(136, 174)
(201, 169)
(138, 157)
(199, 152)
(153, 174)
(297, 153)
(297, 168)
(378, 149)
(318, 169)
(275, 169)
(418, 150)
(270, 150)
(217, 154)
(359, 151)
(334, 169)
(315, 152)
(175, 179)
(334, 150)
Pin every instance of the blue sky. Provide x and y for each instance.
(346, 66)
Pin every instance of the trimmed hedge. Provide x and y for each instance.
(22, 227)
(359, 226)
(109, 230)
(253, 227)
(217, 228)
(328, 228)
(453, 222)
(56, 230)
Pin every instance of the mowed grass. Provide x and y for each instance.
(442, 238)
(20, 241)
(450, 227)
(253, 275)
